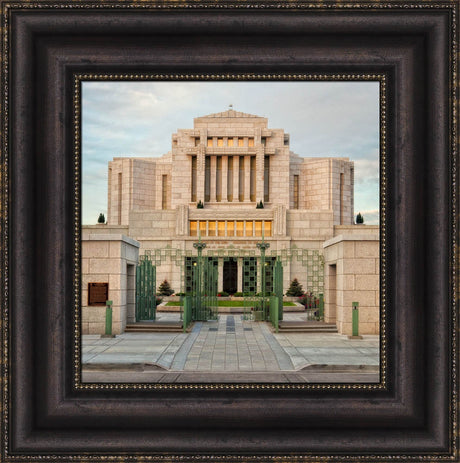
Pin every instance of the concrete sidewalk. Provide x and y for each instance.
(233, 349)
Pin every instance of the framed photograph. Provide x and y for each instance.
(229, 231)
(195, 258)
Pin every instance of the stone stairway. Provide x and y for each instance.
(306, 327)
(155, 327)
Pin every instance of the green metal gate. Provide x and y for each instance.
(262, 277)
(278, 286)
(200, 280)
(145, 290)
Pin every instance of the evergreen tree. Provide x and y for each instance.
(359, 218)
(165, 289)
(295, 289)
(101, 218)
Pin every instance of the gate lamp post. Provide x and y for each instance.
(263, 246)
(199, 247)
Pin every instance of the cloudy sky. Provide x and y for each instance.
(138, 119)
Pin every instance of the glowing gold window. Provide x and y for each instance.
(209, 142)
(258, 228)
(221, 228)
(202, 228)
(193, 228)
(240, 228)
(230, 142)
(231, 228)
(267, 228)
(250, 141)
(212, 228)
(249, 228)
(220, 142)
(240, 141)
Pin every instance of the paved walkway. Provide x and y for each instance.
(234, 345)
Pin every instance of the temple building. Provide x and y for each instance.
(231, 181)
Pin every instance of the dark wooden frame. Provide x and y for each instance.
(44, 417)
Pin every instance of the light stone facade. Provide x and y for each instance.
(231, 161)
(108, 256)
(352, 263)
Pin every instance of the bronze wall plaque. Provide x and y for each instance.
(98, 293)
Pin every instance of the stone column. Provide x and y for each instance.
(224, 179)
(182, 220)
(200, 172)
(213, 179)
(220, 274)
(239, 279)
(247, 179)
(260, 165)
(236, 176)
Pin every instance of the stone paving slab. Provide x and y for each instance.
(231, 345)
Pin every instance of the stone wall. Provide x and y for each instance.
(108, 258)
(137, 189)
(307, 224)
(352, 273)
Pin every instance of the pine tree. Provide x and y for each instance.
(165, 289)
(101, 218)
(295, 289)
(359, 218)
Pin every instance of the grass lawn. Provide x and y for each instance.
(228, 303)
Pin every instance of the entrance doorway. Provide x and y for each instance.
(230, 276)
(330, 312)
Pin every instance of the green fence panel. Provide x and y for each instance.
(321, 307)
(145, 290)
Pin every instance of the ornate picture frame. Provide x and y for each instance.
(46, 415)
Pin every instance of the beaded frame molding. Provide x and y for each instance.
(48, 49)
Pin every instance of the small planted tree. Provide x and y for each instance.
(295, 289)
(359, 218)
(101, 218)
(165, 289)
(260, 205)
(200, 205)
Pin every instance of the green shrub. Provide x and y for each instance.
(359, 218)
(101, 218)
(238, 294)
(295, 289)
(165, 289)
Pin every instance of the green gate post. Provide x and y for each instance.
(263, 246)
(321, 306)
(355, 319)
(278, 286)
(274, 312)
(108, 320)
(187, 318)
